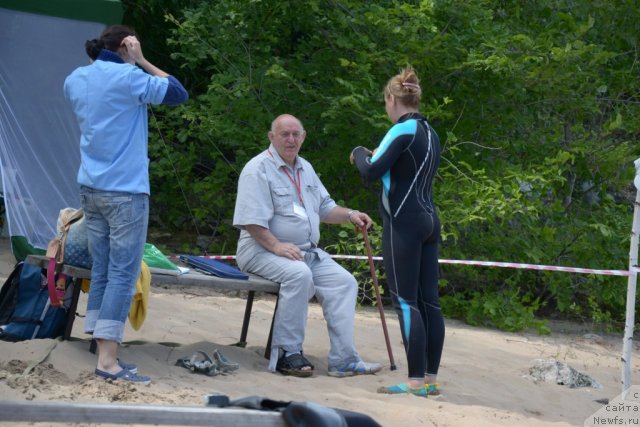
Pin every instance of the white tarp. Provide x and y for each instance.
(39, 136)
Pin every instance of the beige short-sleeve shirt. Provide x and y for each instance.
(291, 203)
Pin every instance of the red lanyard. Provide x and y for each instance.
(295, 184)
(293, 181)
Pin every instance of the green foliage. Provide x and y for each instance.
(536, 105)
(508, 310)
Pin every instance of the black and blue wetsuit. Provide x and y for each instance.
(407, 160)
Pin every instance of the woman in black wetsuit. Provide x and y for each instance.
(406, 161)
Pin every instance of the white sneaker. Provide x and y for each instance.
(355, 368)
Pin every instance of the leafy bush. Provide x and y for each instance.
(536, 108)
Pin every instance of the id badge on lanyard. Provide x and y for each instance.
(299, 211)
(298, 208)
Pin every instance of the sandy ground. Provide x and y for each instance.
(484, 374)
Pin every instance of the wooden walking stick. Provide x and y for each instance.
(375, 287)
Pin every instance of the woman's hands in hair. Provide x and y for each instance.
(131, 50)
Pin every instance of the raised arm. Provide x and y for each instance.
(176, 93)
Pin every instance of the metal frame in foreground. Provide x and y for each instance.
(100, 413)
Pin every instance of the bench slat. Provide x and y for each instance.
(192, 278)
(195, 278)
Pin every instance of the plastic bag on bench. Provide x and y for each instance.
(214, 267)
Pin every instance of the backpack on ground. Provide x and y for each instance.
(32, 315)
(9, 295)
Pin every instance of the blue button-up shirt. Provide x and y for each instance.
(110, 100)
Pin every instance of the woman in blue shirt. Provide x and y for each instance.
(109, 98)
(406, 161)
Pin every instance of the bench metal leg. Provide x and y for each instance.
(71, 315)
(245, 321)
(267, 350)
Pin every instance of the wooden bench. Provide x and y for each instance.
(192, 278)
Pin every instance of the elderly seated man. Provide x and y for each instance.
(279, 207)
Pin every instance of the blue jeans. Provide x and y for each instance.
(117, 231)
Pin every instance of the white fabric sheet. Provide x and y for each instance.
(39, 136)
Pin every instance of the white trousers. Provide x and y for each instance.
(334, 287)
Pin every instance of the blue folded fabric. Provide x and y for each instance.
(214, 267)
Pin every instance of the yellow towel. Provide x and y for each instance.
(85, 285)
(138, 310)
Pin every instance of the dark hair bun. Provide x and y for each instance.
(93, 48)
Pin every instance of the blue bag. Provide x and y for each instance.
(214, 267)
(33, 315)
(71, 244)
(76, 246)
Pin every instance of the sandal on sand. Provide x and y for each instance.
(124, 375)
(224, 364)
(128, 366)
(294, 365)
(199, 362)
(403, 388)
(203, 363)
